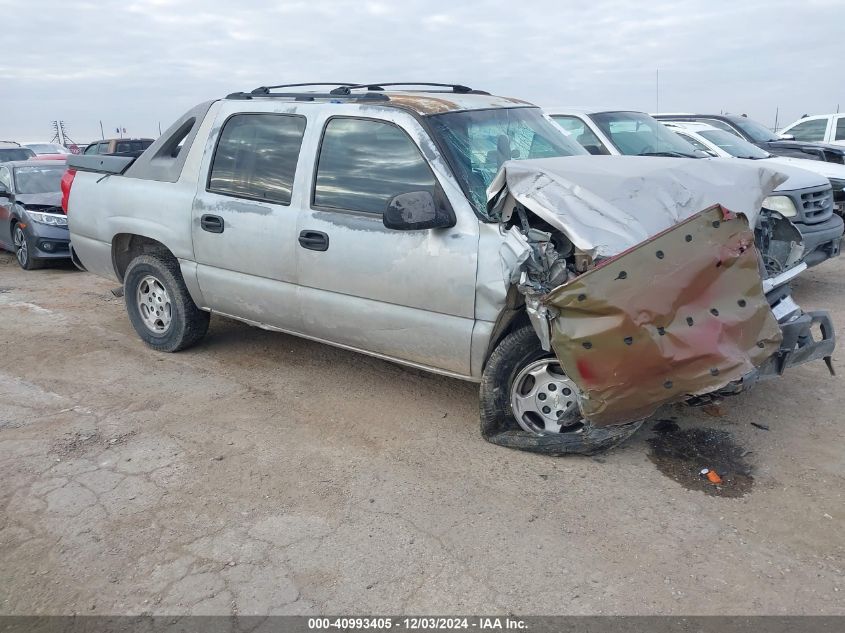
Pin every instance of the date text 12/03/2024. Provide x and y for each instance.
(416, 623)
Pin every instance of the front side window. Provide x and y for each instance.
(364, 163)
(811, 131)
(478, 142)
(581, 132)
(92, 149)
(256, 157)
(695, 143)
(39, 179)
(6, 178)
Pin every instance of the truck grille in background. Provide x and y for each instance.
(817, 205)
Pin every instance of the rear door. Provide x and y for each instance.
(407, 295)
(244, 223)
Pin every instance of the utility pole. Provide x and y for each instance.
(657, 91)
(777, 111)
(60, 134)
(102, 134)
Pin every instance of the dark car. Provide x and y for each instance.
(763, 137)
(32, 223)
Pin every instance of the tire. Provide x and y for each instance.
(170, 321)
(24, 249)
(498, 424)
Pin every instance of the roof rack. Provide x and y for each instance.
(343, 90)
(455, 88)
(265, 91)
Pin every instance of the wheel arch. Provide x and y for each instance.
(127, 246)
(512, 317)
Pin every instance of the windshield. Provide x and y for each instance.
(758, 132)
(23, 153)
(477, 142)
(637, 134)
(733, 145)
(47, 148)
(39, 179)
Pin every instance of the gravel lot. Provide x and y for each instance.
(260, 473)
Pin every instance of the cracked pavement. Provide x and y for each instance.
(261, 474)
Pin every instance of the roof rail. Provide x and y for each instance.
(456, 88)
(309, 96)
(265, 90)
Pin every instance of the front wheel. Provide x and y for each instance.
(159, 306)
(528, 402)
(24, 249)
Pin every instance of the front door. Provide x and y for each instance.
(244, 225)
(407, 295)
(6, 209)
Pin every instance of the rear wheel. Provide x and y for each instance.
(528, 402)
(24, 249)
(159, 306)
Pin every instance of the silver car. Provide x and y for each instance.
(446, 229)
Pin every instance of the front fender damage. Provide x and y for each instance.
(659, 303)
(682, 314)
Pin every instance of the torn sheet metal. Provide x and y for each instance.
(606, 205)
(681, 314)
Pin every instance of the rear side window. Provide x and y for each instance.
(840, 129)
(256, 157)
(364, 163)
(812, 131)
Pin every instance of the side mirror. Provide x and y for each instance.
(786, 137)
(416, 211)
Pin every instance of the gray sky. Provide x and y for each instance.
(136, 63)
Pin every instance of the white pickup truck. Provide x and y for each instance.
(460, 233)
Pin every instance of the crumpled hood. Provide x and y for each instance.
(52, 199)
(609, 204)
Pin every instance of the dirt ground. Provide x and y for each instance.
(260, 473)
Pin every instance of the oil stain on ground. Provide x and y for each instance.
(681, 454)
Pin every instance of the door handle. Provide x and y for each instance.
(212, 223)
(314, 240)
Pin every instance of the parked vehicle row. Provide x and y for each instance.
(465, 234)
(806, 198)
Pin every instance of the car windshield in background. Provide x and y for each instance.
(23, 153)
(734, 145)
(39, 179)
(479, 141)
(758, 132)
(637, 134)
(47, 148)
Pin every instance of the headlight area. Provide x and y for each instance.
(50, 219)
(782, 205)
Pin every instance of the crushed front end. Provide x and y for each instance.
(689, 313)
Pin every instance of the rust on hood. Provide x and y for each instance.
(681, 314)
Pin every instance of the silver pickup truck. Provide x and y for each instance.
(457, 232)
